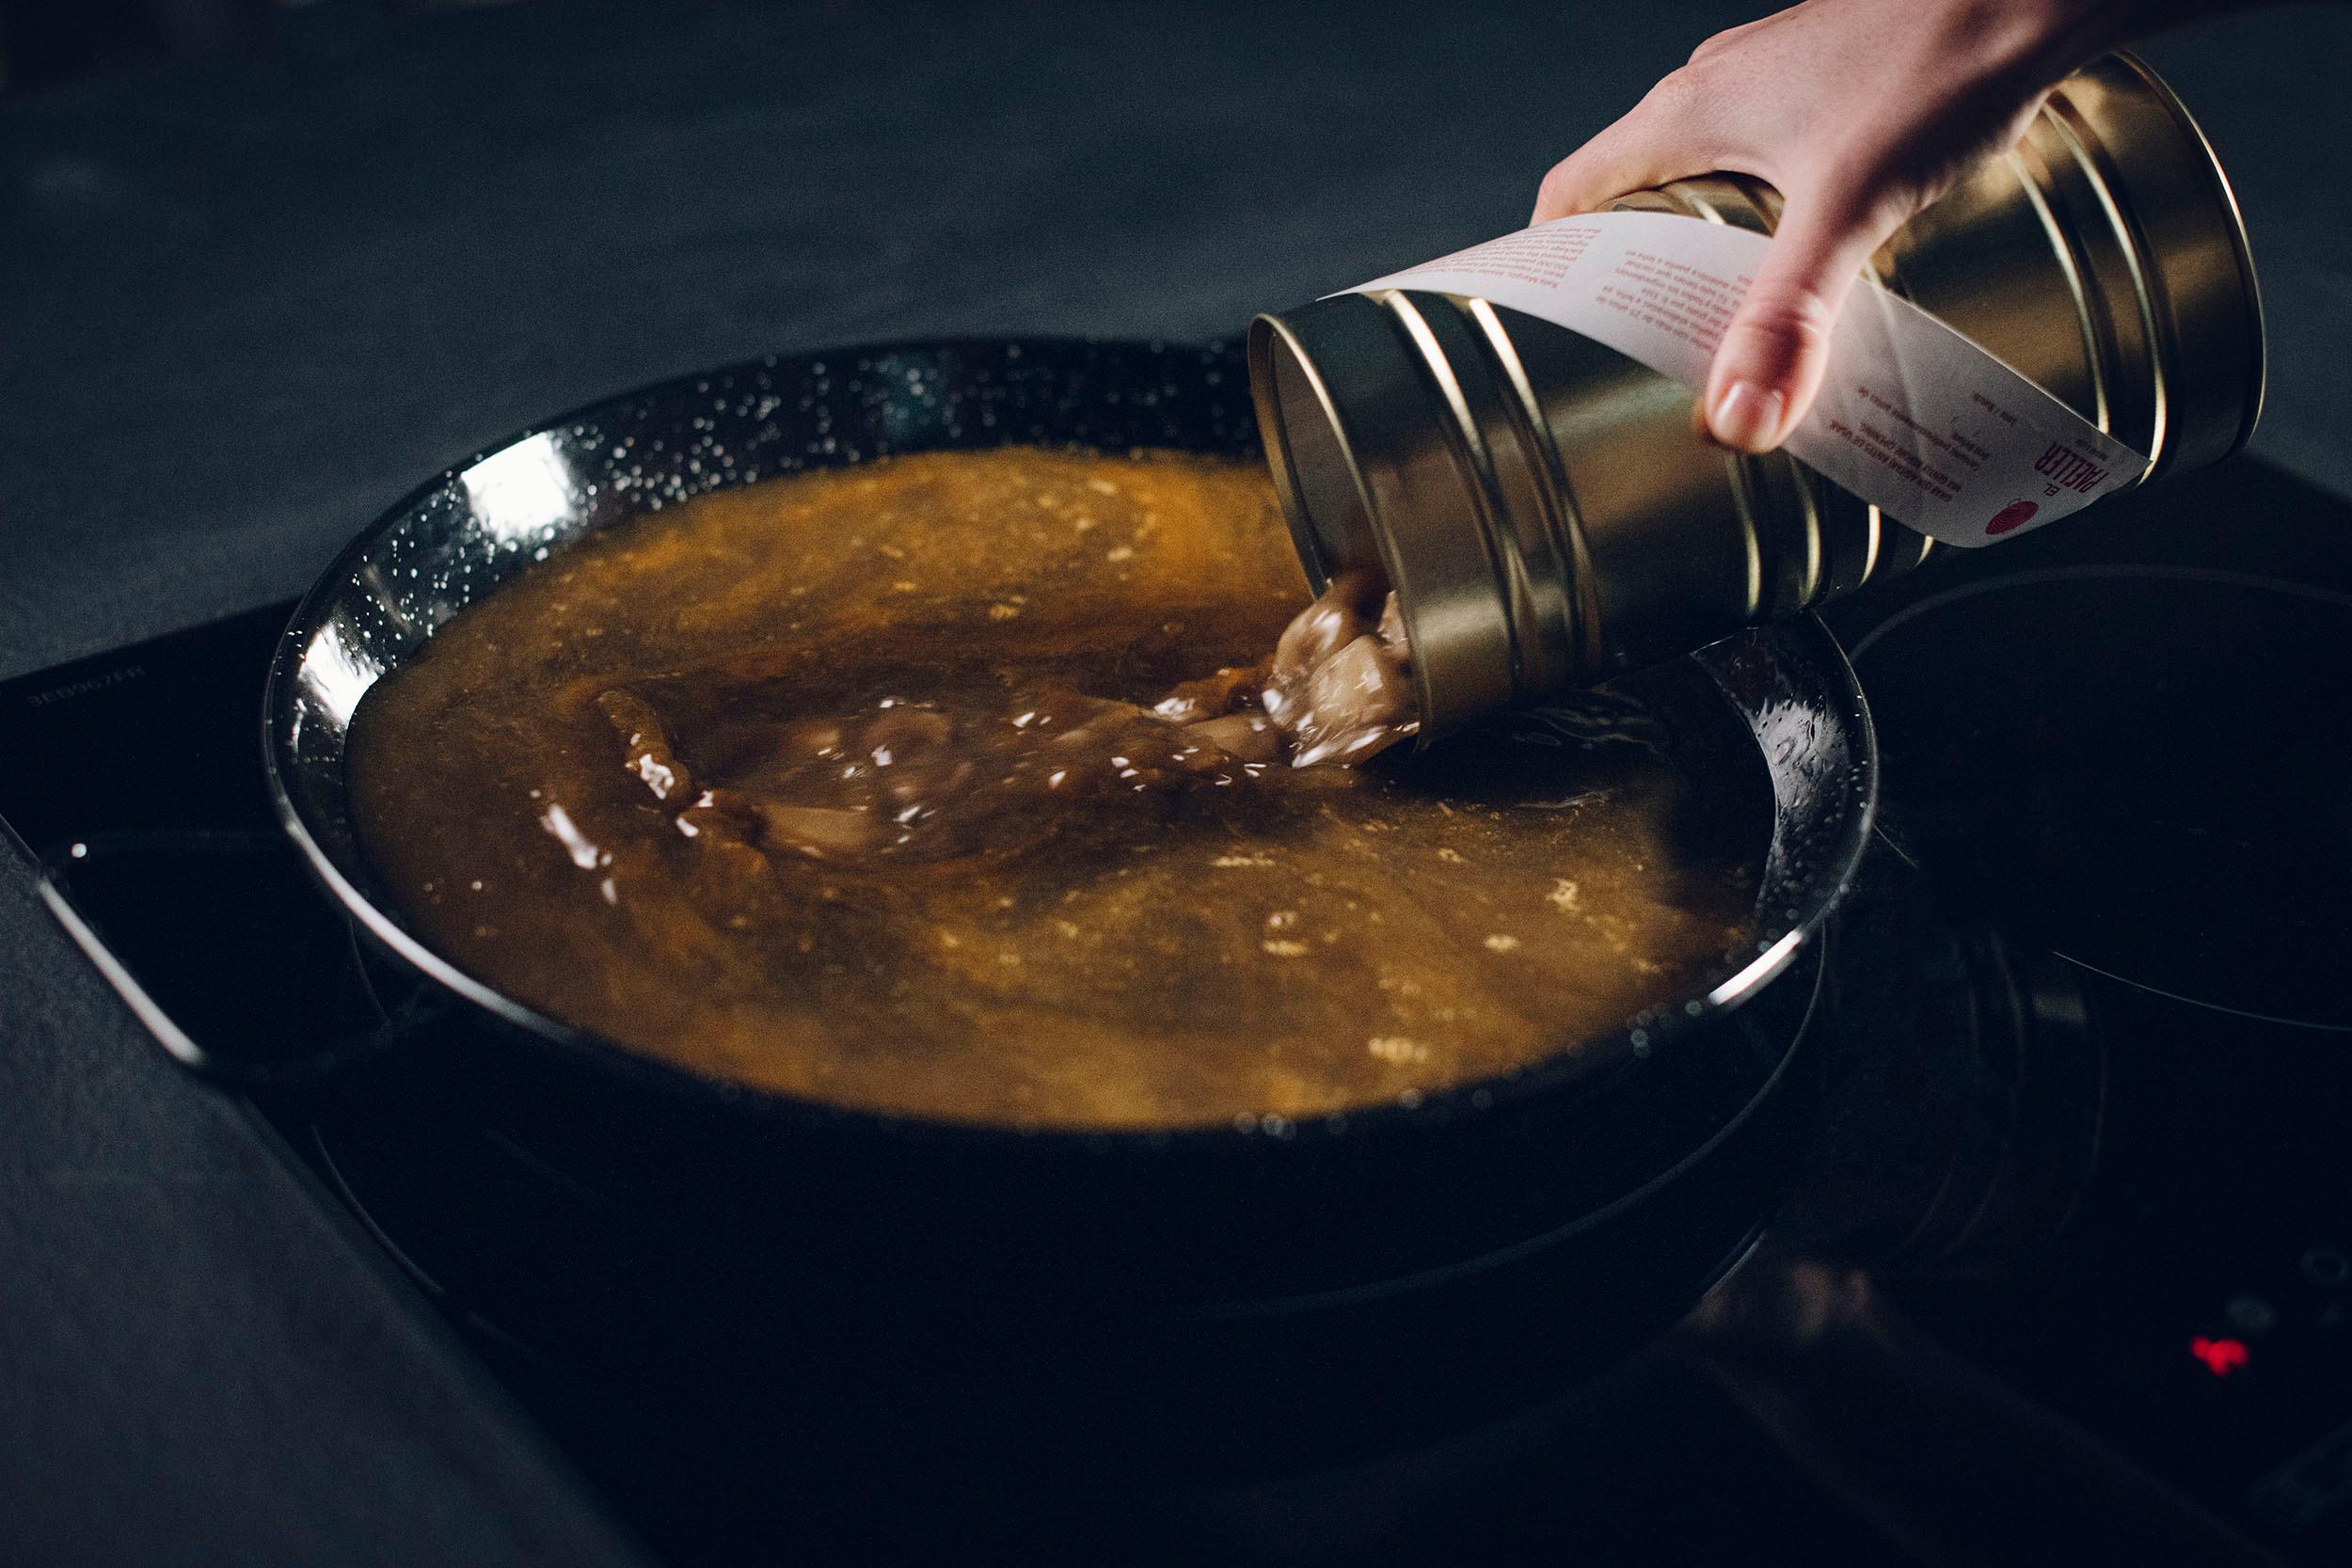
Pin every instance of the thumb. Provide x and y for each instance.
(1773, 354)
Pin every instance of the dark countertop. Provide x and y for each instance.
(246, 306)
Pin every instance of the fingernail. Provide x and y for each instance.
(1746, 417)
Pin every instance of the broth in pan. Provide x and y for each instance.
(943, 785)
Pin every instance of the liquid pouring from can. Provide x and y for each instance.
(1549, 514)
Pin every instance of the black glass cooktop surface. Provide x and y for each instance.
(2069, 1269)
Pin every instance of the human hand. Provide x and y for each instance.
(1861, 113)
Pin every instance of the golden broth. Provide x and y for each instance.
(1267, 942)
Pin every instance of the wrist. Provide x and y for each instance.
(2033, 44)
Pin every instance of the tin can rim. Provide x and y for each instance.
(2241, 248)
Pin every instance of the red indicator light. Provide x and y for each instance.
(2221, 1356)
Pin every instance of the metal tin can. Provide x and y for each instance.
(1546, 508)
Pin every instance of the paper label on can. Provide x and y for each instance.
(1911, 417)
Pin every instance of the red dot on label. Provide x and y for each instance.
(2015, 514)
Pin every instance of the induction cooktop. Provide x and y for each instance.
(2065, 1275)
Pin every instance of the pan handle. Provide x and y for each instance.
(222, 946)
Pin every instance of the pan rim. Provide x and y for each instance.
(1726, 986)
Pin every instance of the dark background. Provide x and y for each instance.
(262, 273)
